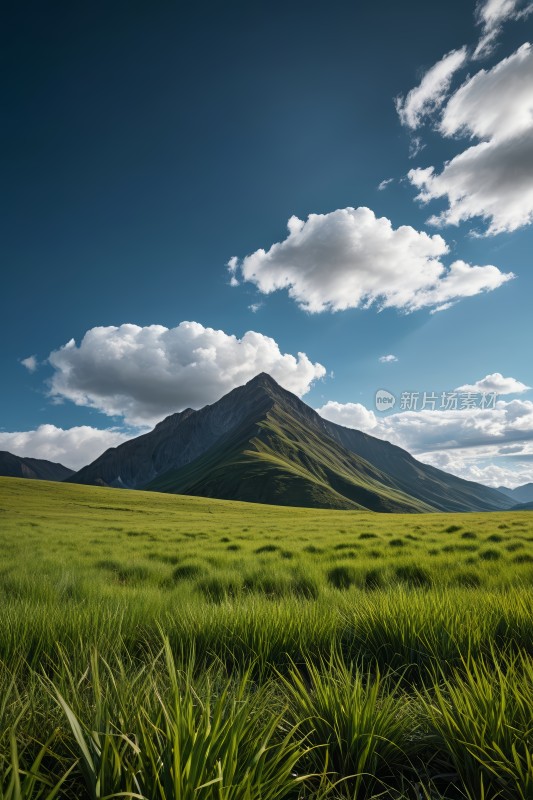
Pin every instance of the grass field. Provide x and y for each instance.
(157, 646)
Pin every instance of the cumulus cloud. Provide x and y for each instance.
(387, 359)
(72, 447)
(351, 415)
(496, 103)
(473, 443)
(492, 179)
(350, 258)
(384, 184)
(429, 95)
(509, 423)
(144, 374)
(30, 363)
(481, 467)
(495, 383)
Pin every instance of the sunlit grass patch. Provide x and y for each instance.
(147, 638)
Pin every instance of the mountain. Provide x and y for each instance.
(261, 443)
(17, 467)
(522, 494)
(440, 490)
(522, 507)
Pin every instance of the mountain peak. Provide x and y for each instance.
(263, 379)
(262, 443)
(264, 384)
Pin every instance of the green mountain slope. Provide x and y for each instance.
(439, 489)
(260, 443)
(284, 461)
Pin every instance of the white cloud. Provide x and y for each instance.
(472, 443)
(351, 415)
(232, 268)
(494, 104)
(385, 183)
(491, 14)
(481, 467)
(509, 422)
(416, 145)
(254, 307)
(495, 383)
(349, 258)
(492, 179)
(144, 374)
(30, 363)
(429, 95)
(72, 447)
(387, 359)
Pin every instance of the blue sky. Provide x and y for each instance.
(148, 146)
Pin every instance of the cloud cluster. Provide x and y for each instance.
(145, 373)
(351, 415)
(490, 15)
(509, 422)
(493, 179)
(350, 258)
(495, 383)
(476, 443)
(494, 104)
(491, 469)
(387, 359)
(429, 95)
(72, 447)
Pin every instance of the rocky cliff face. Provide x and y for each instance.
(176, 441)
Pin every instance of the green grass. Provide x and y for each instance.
(158, 646)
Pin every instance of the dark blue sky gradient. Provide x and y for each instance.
(144, 144)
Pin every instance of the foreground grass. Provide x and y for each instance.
(164, 647)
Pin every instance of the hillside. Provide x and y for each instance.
(521, 494)
(261, 443)
(12, 466)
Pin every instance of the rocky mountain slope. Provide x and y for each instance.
(263, 444)
(12, 466)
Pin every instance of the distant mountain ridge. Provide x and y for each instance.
(522, 507)
(522, 494)
(261, 443)
(12, 466)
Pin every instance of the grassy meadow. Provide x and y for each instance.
(163, 647)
